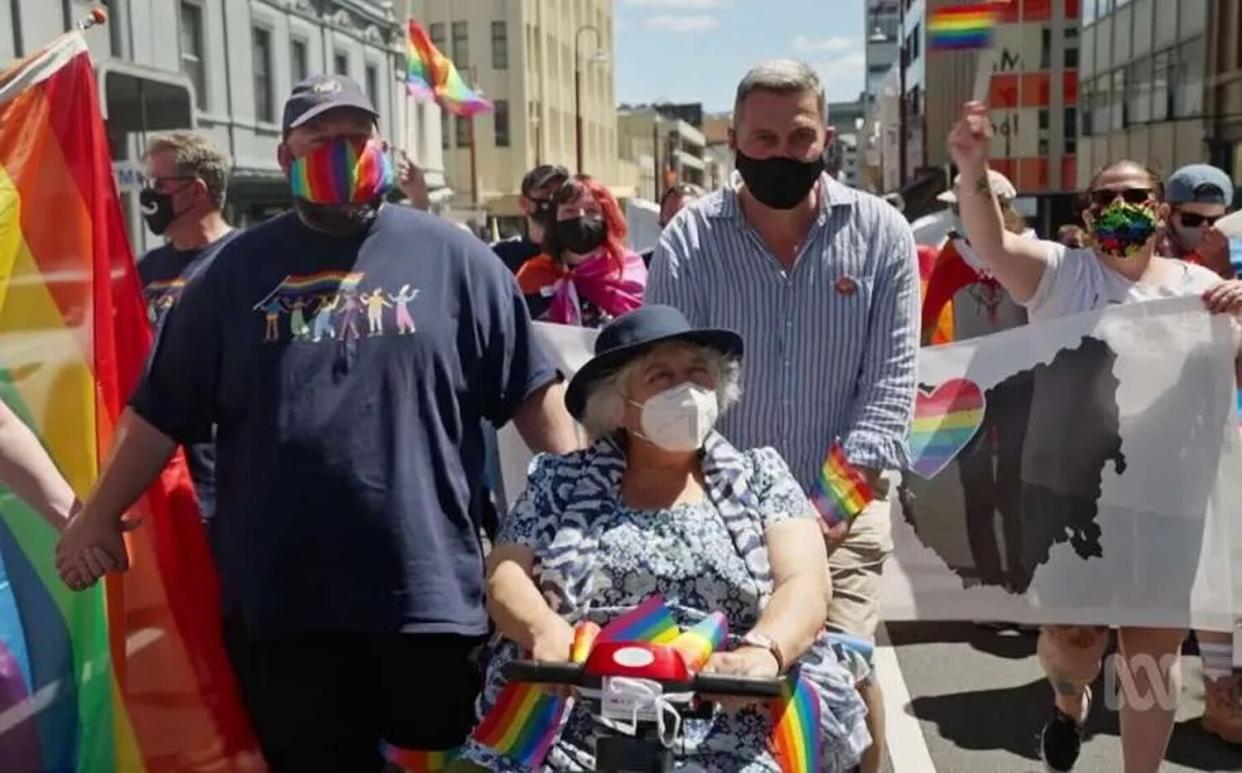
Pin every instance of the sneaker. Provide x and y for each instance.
(1061, 739)
(1222, 710)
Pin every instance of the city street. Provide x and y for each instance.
(969, 698)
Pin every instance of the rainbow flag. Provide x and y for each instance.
(697, 643)
(650, 621)
(961, 27)
(90, 681)
(431, 76)
(796, 742)
(840, 492)
(585, 634)
(416, 761)
(523, 724)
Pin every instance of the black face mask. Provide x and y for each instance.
(544, 211)
(337, 220)
(582, 235)
(157, 208)
(779, 182)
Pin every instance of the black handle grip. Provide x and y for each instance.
(543, 673)
(740, 686)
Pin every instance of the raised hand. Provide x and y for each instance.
(968, 140)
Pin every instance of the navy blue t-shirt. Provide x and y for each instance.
(164, 272)
(348, 379)
(516, 251)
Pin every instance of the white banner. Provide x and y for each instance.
(1081, 470)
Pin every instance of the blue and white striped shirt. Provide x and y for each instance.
(831, 345)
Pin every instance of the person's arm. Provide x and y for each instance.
(513, 600)
(26, 468)
(174, 403)
(884, 395)
(799, 605)
(1016, 262)
(518, 609)
(544, 423)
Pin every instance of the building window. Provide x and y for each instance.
(1188, 87)
(372, 84)
(461, 45)
(299, 68)
(501, 114)
(463, 132)
(340, 63)
(192, 51)
(1161, 90)
(1071, 57)
(445, 136)
(1119, 100)
(1045, 48)
(1140, 91)
(1071, 131)
(264, 100)
(500, 45)
(437, 35)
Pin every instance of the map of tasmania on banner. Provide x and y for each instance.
(1082, 470)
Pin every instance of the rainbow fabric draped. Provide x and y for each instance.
(130, 675)
(431, 76)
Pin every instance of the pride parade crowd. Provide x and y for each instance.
(336, 375)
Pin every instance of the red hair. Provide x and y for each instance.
(614, 220)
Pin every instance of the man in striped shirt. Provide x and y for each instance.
(822, 283)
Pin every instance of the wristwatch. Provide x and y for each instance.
(763, 641)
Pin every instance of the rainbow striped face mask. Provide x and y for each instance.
(345, 170)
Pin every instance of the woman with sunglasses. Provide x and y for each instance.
(1123, 211)
(1199, 195)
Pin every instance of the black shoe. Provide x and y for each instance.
(1061, 740)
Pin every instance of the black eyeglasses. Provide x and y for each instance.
(1194, 220)
(1106, 196)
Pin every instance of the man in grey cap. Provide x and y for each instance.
(1199, 195)
(346, 529)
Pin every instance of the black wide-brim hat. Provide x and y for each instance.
(632, 335)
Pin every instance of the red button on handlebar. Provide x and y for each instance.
(638, 660)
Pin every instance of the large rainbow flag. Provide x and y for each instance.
(131, 675)
(431, 76)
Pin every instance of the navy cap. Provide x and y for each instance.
(321, 93)
(541, 176)
(1199, 184)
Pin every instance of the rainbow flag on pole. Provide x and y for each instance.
(431, 76)
(961, 27)
(130, 675)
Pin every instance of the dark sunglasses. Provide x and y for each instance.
(1106, 196)
(1194, 220)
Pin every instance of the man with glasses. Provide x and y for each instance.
(186, 181)
(538, 187)
(1199, 195)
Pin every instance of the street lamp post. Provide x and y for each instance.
(600, 56)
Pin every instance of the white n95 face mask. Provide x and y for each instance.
(680, 418)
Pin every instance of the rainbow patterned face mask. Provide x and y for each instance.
(345, 170)
(1122, 229)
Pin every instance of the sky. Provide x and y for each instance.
(697, 50)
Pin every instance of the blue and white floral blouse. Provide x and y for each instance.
(597, 558)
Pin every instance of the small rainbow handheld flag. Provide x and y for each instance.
(961, 27)
(585, 634)
(795, 740)
(523, 724)
(430, 75)
(416, 761)
(697, 643)
(650, 621)
(840, 492)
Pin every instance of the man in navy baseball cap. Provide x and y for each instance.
(1199, 195)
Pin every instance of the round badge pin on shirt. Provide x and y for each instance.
(846, 286)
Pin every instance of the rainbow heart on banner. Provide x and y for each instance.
(945, 420)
